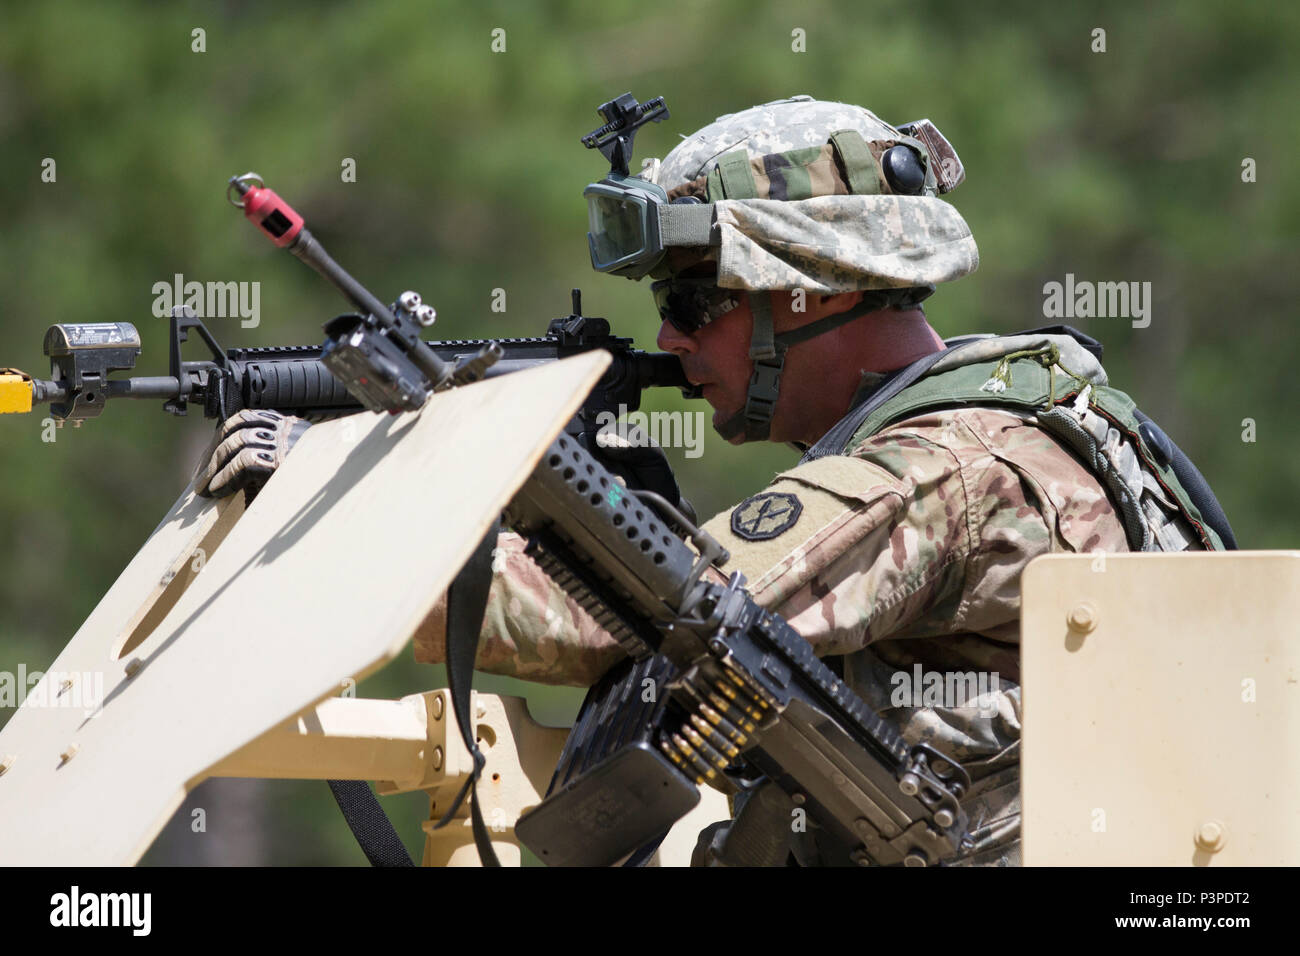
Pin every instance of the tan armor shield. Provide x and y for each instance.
(222, 628)
(1161, 709)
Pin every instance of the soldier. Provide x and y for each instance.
(932, 472)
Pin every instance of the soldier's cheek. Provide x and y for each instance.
(725, 403)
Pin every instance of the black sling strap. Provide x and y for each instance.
(466, 603)
(369, 823)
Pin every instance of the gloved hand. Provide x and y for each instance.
(247, 449)
(628, 451)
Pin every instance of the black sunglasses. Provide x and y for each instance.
(691, 304)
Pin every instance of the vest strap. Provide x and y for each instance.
(1162, 501)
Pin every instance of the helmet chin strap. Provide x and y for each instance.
(754, 421)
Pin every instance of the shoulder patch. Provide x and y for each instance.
(765, 516)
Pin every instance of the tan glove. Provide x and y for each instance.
(247, 449)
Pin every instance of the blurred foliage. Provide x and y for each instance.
(1114, 166)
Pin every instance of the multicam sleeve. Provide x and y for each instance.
(531, 630)
(861, 547)
(922, 532)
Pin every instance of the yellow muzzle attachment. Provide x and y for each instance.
(15, 391)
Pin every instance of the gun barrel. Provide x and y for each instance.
(307, 249)
(144, 386)
(46, 391)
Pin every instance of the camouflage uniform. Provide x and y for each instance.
(907, 550)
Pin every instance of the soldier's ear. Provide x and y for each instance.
(838, 302)
(807, 307)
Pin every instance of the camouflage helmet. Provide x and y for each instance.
(819, 196)
(865, 213)
(776, 127)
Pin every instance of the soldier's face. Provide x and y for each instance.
(817, 380)
(717, 357)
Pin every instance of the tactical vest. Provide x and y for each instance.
(1053, 376)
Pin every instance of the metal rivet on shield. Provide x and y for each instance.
(1211, 835)
(6, 762)
(133, 666)
(1082, 618)
(68, 753)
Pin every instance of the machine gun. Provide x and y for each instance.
(736, 700)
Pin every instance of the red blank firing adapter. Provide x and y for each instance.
(266, 210)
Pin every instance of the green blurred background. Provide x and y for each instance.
(1117, 166)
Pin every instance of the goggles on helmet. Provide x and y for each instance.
(691, 304)
(630, 224)
(623, 225)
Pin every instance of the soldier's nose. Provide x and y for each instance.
(672, 339)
